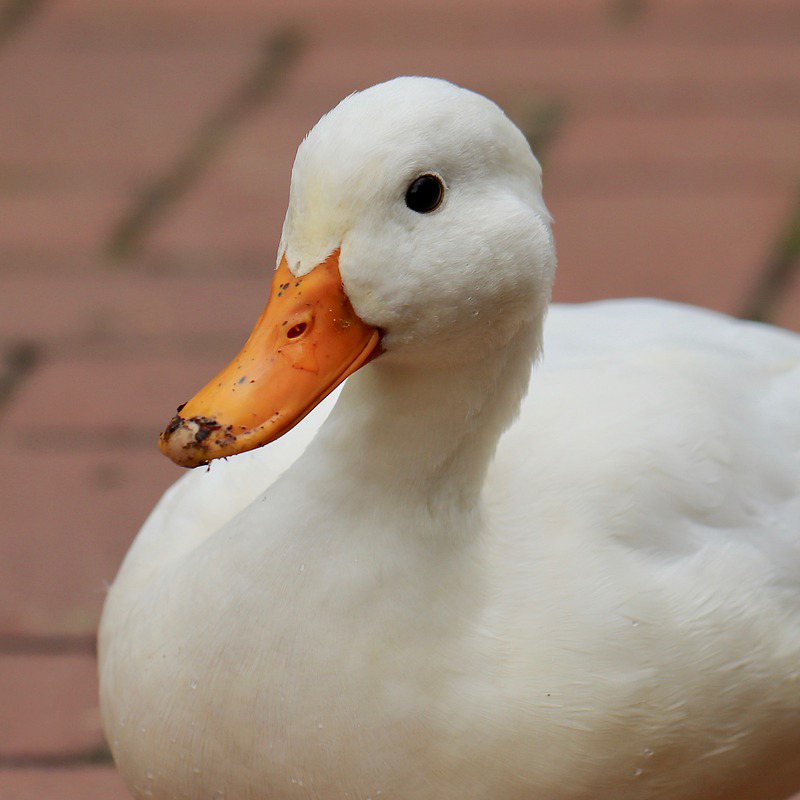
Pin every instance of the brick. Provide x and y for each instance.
(85, 783)
(132, 311)
(704, 248)
(68, 519)
(111, 111)
(113, 395)
(699, 150)
(570, 61)
(66, 216)
(604, 77)
(542, 20)
(50, 705)
(225, 214)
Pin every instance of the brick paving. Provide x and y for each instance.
(670, 131)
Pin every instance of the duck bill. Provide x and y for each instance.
(306, 342)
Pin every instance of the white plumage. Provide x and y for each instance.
(603, 606)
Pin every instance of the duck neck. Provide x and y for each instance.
(421, 438)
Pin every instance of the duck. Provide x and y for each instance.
(497, 548)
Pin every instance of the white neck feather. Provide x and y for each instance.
(421, 439)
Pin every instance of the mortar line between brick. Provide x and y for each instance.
(21, 358)
(96, 755)
(13, 644)
(782, 264)
(14, 16)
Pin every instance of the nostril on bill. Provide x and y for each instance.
(296, 330)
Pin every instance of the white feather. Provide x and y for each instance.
(449, 592)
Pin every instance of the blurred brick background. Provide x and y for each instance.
(145, 150)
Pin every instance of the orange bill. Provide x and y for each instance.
(306, 342)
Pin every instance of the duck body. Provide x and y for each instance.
(448, 587)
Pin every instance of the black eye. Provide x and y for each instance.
(425, 194)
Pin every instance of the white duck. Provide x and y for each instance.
(602, 603)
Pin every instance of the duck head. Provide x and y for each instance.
(416, 233)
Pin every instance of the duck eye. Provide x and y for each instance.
(425, 194)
